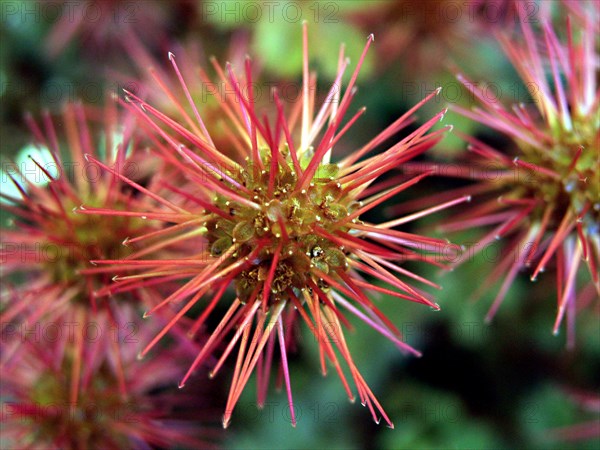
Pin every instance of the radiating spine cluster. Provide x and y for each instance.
(70, 378)
(282, 224)
(544, 199)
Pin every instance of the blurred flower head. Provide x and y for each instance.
(156, 82)
(543, 197)
(422, 36)
(99, 26)
(46, 250)
(86, 389)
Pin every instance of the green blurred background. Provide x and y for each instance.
(503, 385)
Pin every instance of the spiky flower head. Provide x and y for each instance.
(283, 226)
(86, 389)
(544, 197)
(46, 251)
(69, 371)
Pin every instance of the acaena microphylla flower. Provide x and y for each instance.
(86, 389)
(46, 251)
(282, 225)
(100, 27)
(541, 198)
(159, 85)
(422, 36)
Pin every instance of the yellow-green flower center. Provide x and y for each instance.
(574, 155)
(284, 225)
